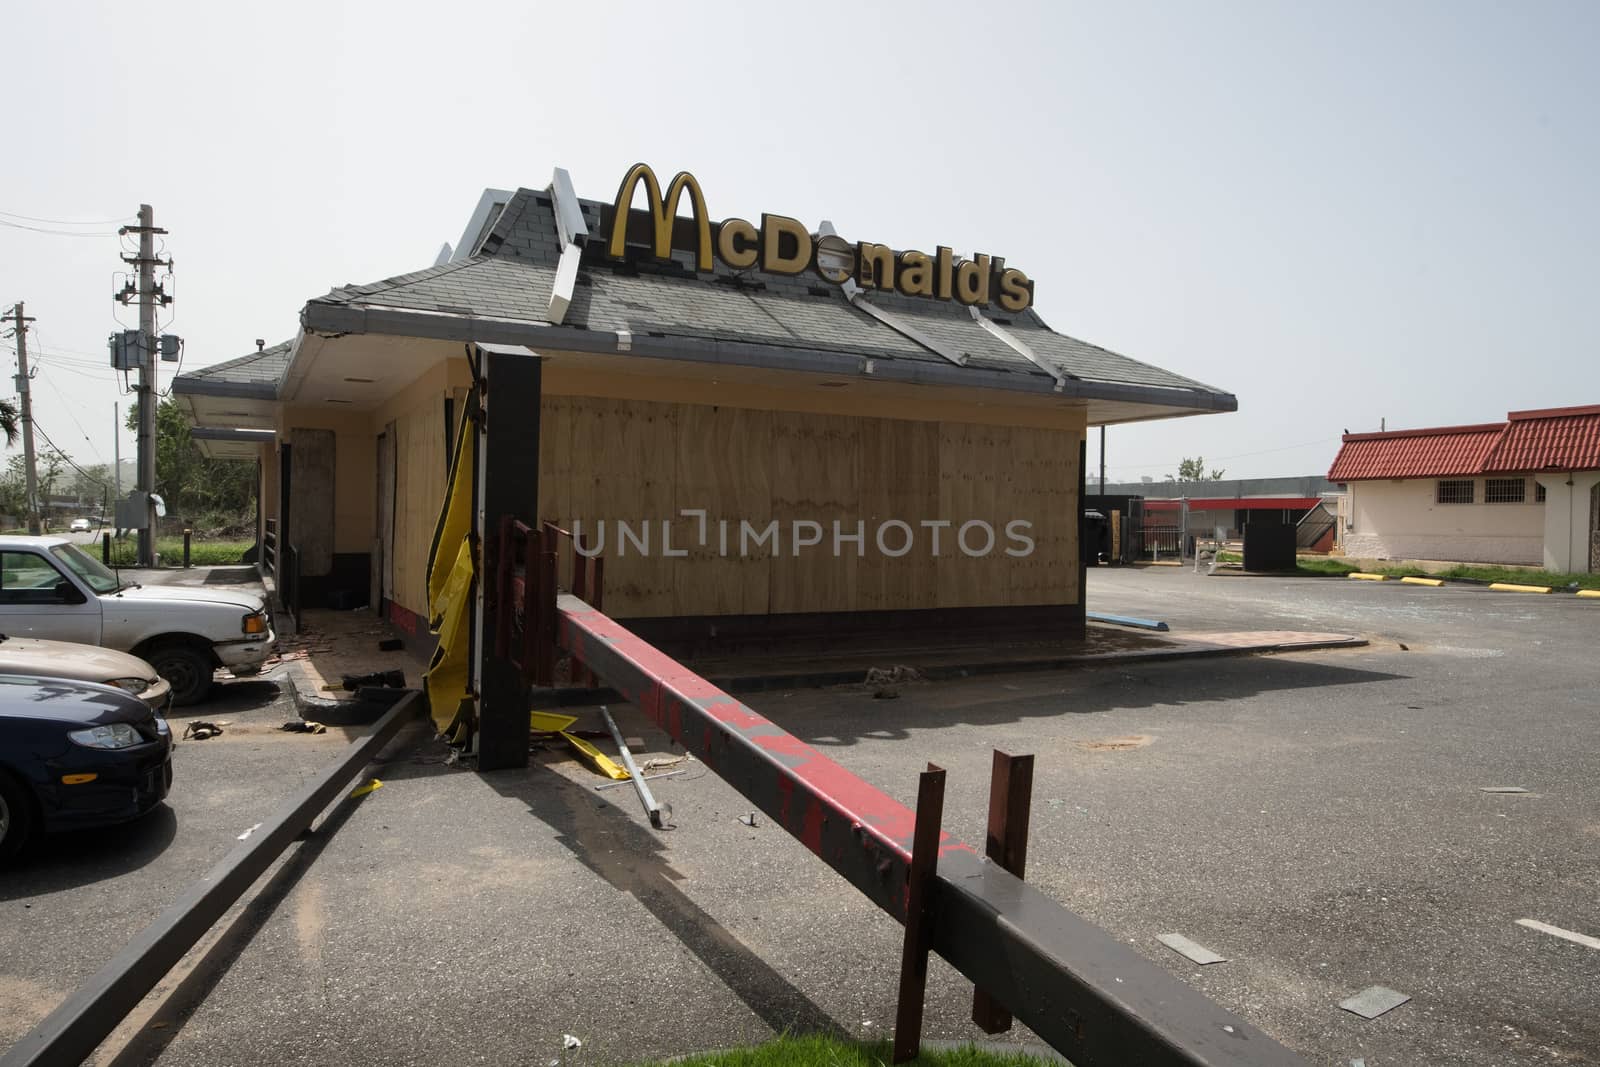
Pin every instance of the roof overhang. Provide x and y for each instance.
(230, 443)
(418, 338)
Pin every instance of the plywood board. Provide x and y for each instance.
(420, 459)
(898, 463)
(815, 479)
(623, 469)
(723, 469)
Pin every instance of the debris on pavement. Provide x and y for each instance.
(1195, 952)
(569, 1042)
(200, 729)
(362, 790)
(1501, 789)
(392, 679)
(1374, 1001)
(885, 682)
(304, 726)
(647, 778)
(748, 820)
(248, 832)
(652, 810)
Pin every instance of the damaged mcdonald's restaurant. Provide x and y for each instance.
(767, 429)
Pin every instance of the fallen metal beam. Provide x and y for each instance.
(1091, 997)
(70, 1033)
(651, 809)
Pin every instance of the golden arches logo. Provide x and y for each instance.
(662, 212)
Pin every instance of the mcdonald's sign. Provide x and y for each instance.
(782, 245)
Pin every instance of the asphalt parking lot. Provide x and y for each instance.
(1317, 818)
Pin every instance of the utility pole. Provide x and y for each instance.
(148, 296)
(21, 322)
(116, 445)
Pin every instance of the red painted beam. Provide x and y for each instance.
(831, 811)
(1091, 997)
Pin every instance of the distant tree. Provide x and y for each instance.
(192, 484)
(10, 422)
(48, 468)
(1194, 470)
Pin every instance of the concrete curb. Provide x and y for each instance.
(951, 672)
(305, 687)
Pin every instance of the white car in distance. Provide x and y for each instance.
(50, 588)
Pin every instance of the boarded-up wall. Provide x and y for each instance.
(642, 463)
(311, 479)
(421, 464)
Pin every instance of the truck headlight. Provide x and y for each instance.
(255, 623)
(116, 735)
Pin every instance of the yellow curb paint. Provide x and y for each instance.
(1412, 579)
(1367, 577)
(1507, 587)
(1593, 594)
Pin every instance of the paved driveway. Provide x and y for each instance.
(1318, 818)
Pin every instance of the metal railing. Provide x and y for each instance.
(269, 547)
(1158, 541)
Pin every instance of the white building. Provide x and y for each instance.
(1524, 491)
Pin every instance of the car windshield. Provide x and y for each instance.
(93, 573)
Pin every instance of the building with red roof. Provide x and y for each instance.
(1526, 490)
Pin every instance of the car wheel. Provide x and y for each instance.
(186, 669)
(16, 817)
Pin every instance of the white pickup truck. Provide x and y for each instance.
(51, 588)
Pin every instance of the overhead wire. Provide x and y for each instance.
(58, 233)
(65, 407)
(67, 222)
(66, 458)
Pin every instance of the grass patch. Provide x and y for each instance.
(125, 552)
(818, 1051)
(1326, 565)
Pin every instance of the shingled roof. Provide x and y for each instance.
(1530, 441)
(256, 374)
(510, 275)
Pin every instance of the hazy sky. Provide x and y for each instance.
(1340, 212)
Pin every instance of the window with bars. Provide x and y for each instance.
(1455, 491)
(1505, 490)
(1538, 492)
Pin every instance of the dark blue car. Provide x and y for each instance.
(76, 754)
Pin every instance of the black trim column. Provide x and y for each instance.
(510, 481)
(1083, 558)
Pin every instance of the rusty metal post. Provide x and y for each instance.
(1010, 806)
(580, 568)
(919, 895)
(105, 549)
(544, 558)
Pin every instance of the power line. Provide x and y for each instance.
(68, 459)
(67, 222)
(59, 233)
(68, 409)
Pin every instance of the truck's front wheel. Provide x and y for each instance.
(186, 668)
